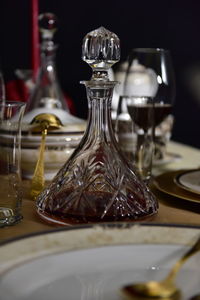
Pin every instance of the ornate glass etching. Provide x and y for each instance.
(96, 184)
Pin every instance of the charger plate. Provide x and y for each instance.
(94, 262)
(166, 183)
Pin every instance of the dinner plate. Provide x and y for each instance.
(94, 262)
(189, 180)
(166, 184)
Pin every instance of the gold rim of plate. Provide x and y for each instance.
(187, 188)
(166, 183)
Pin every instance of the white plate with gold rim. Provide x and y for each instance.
(91, 263)
(189, 180)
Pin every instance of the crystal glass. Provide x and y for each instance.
(11, 114)
(96, 184)
(150, 73)
(135, 132)
(47, 95)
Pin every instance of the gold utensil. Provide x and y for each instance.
(42, 123)
(164, 289)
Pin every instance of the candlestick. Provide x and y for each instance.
(35, 57)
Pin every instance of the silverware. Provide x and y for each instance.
(42, 123)
(164, 289)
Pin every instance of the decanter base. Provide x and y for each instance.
(70, 220)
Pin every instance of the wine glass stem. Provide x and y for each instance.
(144, 155)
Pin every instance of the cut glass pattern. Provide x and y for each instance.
(96, 184)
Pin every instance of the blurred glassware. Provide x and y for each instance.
(11, 114)
(162, 136)
(150, 73)
(97, 184)
(47, 98)
(135, 132)
(156, 80)
(47, 95)
(119, 76)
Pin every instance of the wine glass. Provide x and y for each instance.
(150, 73)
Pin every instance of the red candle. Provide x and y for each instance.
(35, 55)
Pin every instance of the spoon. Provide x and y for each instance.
(42, 122)
(160, 289)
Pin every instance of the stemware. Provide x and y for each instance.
(11, 114)
(150, 73)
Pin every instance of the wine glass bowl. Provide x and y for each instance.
(150, 73)
(141, 111)
(153, 70)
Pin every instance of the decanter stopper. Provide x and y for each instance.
(101, 50)
(48, 24)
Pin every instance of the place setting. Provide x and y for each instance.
(96, 211)
(105, 174)
(103, 261)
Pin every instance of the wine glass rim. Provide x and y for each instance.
(150, 50)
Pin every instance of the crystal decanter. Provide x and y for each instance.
(96, 184)
(47, 96)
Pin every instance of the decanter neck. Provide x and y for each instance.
(47, 92)
(48, 58)
(99, 111)
(100, 74)
(47, 73)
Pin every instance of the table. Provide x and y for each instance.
(171, 210)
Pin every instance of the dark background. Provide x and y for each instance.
(174, 25)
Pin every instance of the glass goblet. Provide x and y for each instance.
(150, 73)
